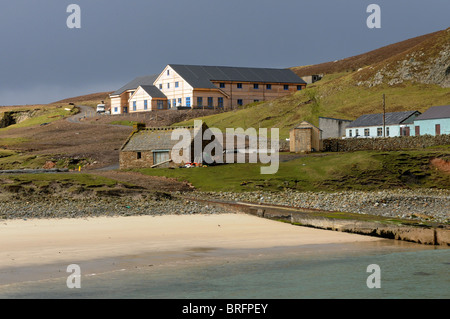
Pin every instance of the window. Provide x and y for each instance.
(220, 101)
(174, 102)
(239, 85)
(160, 104)
(299, 87)
(366, 132)
(168, 85)
(199, 101)
(134, 105)
(116, 109)
(256, 86)
(286, 87)
(269, 86)
(255, 100)
(222, 85)
(350, 132)
(188, 101)
(240, 102)
(176, 84)
(145, 104)
(168, 72)
(387, 131)
(210, 101)
(160, 86)
(138, 155)
(356, 132)
(379, 131)
(180, 101)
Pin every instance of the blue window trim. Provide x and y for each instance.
(177, 84)
(239, 85)
(269, 86)
(256, 86)
(188, 101)
(286, 87)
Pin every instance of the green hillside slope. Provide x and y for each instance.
(347, 95)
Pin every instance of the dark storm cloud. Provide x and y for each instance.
(42, 60)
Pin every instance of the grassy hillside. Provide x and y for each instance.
(412, 74)
(364, 170)
(359, 61)
(334, 96)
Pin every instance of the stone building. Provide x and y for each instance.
(305, 138)
(333, 128)
(154, 146)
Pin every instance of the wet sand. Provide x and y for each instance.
(44, 247)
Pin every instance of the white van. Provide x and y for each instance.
(101, 108)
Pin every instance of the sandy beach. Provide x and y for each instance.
(46, 241)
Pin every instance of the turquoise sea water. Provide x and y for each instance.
(313, 271)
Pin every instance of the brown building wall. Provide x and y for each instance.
(306, 139)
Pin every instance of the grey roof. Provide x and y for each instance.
(435, 112)
(377, 119)
(134, 84)
(150, 139)
(153, 91)
(201, 76)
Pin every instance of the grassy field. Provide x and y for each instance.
(334, 96)
(54, 183)
(364, 170)
(42, 116)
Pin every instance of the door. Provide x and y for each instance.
(438, 129)
(417, 130)
(159, 157)
(407, 132)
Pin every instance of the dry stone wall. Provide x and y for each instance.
(384, 144)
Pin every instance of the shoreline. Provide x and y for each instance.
(41, 246)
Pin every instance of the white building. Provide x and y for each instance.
(371, 125)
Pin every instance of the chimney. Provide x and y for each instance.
(138, 127)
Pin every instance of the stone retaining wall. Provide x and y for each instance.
(384, 144)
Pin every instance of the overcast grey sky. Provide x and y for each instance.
(42, 60)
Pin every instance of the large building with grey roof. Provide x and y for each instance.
(195, 86)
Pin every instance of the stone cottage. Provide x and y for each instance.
(155, 146)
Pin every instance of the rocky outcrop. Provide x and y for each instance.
(428, 63)
(14, 117)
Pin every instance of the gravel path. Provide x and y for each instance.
(423, 204)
